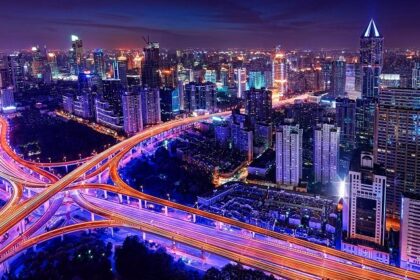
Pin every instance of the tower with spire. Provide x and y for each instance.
(371, 63)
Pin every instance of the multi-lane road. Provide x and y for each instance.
(270, 257)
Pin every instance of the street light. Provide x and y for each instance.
(169, 197)
(141, 187)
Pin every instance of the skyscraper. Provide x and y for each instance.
(371, 60)
(410, 232)
(338, 78)
(289, 154)
(397, 142)
(150, 70)
(150, 102)
(16, 64)
(7, 100)
(258, 105)
(326, 153)
(416, 76)
(121, 71)
(99, 63)
(133, 121)
(345, 110)
(200, 96)
(256, 79)
(364, 217)
(76, 55)
(279, 72)
(240, 81)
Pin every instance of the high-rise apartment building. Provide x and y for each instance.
(240, 81)
(133, 119)
(416, 76)
(345, 111)
(150, 102)
(289, 154)
(258, 105)
(326, 153)
(200, 96)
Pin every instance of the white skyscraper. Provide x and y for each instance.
(133, 121)
(326, 153)
(279, 71)
(410, 232)
(289, 155)
(240, 81)
(366, 185)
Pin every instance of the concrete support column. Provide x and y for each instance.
(112, 232)
(166, 210)
(62, 237)
(253, 234)
(92, 217)
(67, 169)
(145, 204)
(105, 194)
(140, 206)
(120, 199)
(22, 226)
(194, 218)
(144, 235)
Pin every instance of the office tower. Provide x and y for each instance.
(279, 71)
(38, 63)
(364, 211)
(350, 87)
(168, 77)
(99, 63)
(289, 154)
(76, 55)
(397, 142)
(410, 232)
(224, 76)
(83, 105)
(150, 70)
(416, 76)
(169, 103)
(210, 76)
(258, 104)
(52, 62)
(326, 71)
(7, 100)
(16, 63)
(326, 153)
(132, 115)
(338, 78)
(371, 60)
(112, 91)
(240, 81)
(150, 102)
(5, 80)
(200, 96)
(121, 71)
(242, 135)
(256, 80)
(345, 110)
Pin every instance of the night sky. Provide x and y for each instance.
(212, 24)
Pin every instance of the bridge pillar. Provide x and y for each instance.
(253, 234)
(144, 235)
(219, 225)
(22, 226)
(29, 192)
(67, 169)
(145, 204)
(112, 231)
(128, 200)
(99, 178)
(140, 206)
(62, 237)
(92, 217)
(120, 200)
(105, 194)
(194, 218)
(166, 210)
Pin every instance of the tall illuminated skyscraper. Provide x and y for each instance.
(132, 114)
(338, 78)
(150, 70)
(371, 60)
(99, 63)
(76, 55)
(397, 142)
(279, 71)
(289, 155)
(416, 76)
(240, 81)
(326, 153)
(150, 102)
(121, 70)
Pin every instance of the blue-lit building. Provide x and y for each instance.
(169, 103)
(256, 79)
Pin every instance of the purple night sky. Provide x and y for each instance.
(212, 24)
